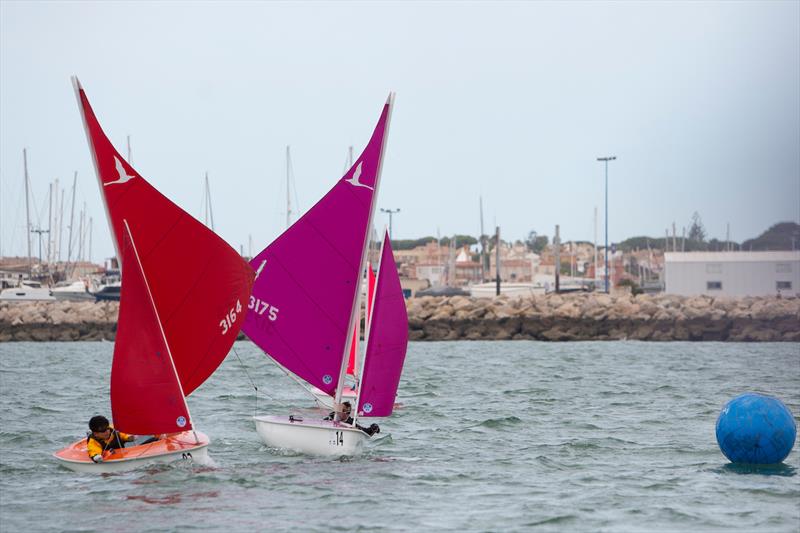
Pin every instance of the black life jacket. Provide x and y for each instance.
(113, 443)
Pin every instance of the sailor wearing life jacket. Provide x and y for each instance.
(346, 418)
(104, 437)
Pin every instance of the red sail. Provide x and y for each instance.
(146, 396)
(351, 362)
(200, 285)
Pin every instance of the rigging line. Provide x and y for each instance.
(296, 198)
(282, 403)
(255, 409)
(296, 379)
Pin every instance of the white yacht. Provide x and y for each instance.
(74, 291)
(27, 290)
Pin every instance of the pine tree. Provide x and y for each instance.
(697, 232)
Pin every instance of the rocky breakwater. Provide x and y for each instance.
(58, 321)
(596, 316)
(550, 317)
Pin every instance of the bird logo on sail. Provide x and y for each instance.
(123, 176)
(260, 268)
(356, 175)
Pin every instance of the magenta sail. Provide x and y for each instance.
(306, 283)
(387, 341)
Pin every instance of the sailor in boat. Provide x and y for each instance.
(345, 417)
(104, 437)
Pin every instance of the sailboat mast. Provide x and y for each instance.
(80, 237)
(56, 225)
(288, 189)
(483, 240)
(209, 214)
(61, 226)
(49, 225)
(357, 300)
(71, 218)
(27, 211)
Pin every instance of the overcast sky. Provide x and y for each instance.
(700, 102)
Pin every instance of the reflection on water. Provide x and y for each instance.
(780, 469)
(175, 498)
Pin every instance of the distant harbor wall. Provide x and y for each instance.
(551, 317)
(597, 316)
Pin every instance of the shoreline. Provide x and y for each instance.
(552, 317)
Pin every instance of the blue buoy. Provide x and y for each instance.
(756, 429)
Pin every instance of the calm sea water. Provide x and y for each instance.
(491, 436)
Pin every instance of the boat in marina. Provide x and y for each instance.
(72, 291)
(305, 300)
(108, 293)
(27, 291)
(171, 336)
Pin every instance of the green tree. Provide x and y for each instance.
(459, 240)
(697, 232)
(535, 242)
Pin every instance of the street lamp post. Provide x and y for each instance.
(391, 212)
(605, 160)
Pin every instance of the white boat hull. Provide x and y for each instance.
(26, 294)
(313, 437)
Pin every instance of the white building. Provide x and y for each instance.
(732, 273)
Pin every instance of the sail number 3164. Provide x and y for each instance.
(227, 323)
(260, 307)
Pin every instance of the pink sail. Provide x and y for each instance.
(387, 341)
(307, 279)
(146, 395)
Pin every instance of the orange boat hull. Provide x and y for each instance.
(188, 445)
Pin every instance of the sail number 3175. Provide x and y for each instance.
(227, 323)
(260, 307)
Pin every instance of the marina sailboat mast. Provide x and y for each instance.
(357, 300)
